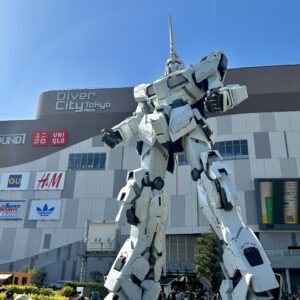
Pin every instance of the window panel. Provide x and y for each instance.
(84, 161)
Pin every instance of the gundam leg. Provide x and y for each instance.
(247, 270)
(136, 272)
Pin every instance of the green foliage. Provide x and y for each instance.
(207, 262)
(65, 291)
(97, 276)
(37, 277)
(92, 286)
(33, 292)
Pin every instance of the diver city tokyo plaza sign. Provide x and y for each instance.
(49, 181)
(45, 210)
(12, 210)
(79, 102)
(14, 181)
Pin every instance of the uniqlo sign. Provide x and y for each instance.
(49, 181)
(59, 137)
(40, 138)
(54, 138)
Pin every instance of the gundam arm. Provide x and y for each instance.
(124, 131)
(209, 74)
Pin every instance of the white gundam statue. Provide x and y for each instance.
(169, 120)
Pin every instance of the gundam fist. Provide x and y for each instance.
(111, 138)
(214, 102)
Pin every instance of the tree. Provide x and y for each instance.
(207, 262)
(97, 276)
(37, 277)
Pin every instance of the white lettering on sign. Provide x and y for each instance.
(79, 102)
(12, 139)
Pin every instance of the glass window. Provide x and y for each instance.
(229, 149)
(83, 163)
(71, 161)
(96, 161)
(236, 148)
(244, 147)
(24, 280)
(90, 159)
(16, 280)
(77, 161)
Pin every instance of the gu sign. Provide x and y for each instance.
(14, 181)
(12, 139)
(49, 181)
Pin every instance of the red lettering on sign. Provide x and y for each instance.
(47, 182)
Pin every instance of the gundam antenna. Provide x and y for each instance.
(174, 63)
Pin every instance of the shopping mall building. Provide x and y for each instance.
(59, 183)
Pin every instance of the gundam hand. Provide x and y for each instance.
(111, 138)
(214, 102)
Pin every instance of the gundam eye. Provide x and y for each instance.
(176, 80)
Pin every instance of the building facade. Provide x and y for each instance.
(58, 179)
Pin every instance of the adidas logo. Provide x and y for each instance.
(45, 212)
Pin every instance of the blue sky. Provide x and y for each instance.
(60, 44)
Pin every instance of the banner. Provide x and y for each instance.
(45, 210)
(14, 181)
(49, 181)
(12, 210)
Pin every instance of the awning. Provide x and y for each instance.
(4, 276)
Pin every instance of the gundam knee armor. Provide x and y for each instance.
(247, 270)
(136, 271)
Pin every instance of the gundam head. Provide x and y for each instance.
(174, 63)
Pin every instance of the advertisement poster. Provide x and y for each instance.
(46, 210)
(14, 181)
(49, 181)
(266, 198)
(290, 205)
(12, 210)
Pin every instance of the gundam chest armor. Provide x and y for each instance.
(170, 119)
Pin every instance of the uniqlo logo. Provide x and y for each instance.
(40, 138)
(59, 137)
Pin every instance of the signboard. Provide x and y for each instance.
(45, 210)
(278, 203)
(12, 139)
(40, 138)
(101, 236)
(14, 181)
(79, 102)
(57, 138)
(12, 210)
(49, 181)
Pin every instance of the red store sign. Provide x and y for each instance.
(57, 138)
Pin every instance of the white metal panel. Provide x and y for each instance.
(277, 143)
(94, 184)
(282, 121)
(239, 124)
(191, 210)
(293, 142)
(20, 243)
(252, 121)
